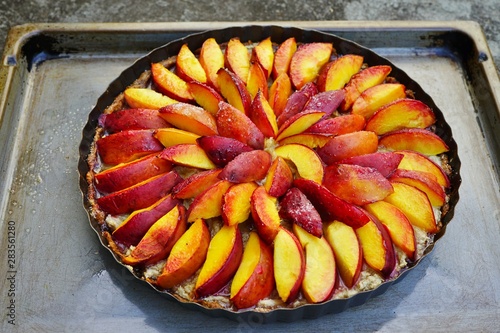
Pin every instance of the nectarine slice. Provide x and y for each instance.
(169, 83)
(263, 53)
(338, 125)
(188, 67)
(279, 92)
(306, 161)
(205, 96)
(146, 98)
(208, 204)
(307, 61)
(211, 59)
(415, 139)
(237, 59)
(297, 208)
(236, 203)
(283, 57)
(234, 90)
(337, 73)
(265, 214)
(221, 150)
(424, 181)
(247, 167)
(132, 119)
(195, 184)
(376, 97)
(263, 116)
(190, 155)
(419, 162)
(279, 178)
(190, 118)
(348, 145)
(174, 136)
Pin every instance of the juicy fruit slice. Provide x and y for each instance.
(384, 162)
(126, 146)
(347, 250)
(419, 162)
(356, 184)
(378, 250)
(348, 145)
(310, 140)
(196, 184)
(415, 139)
(424, 181)
(189, 118)
(223, 259)
(188, 67)
(279, 178)
(337, 73)
(415, 205)
(279, 92)
(234, 124)
(307, 61)
(170, 84)
(135, 226)
(205, 96)
(257, 81)
(190, 155)
(125, 175)
(254, 279)
(186, 257)
(299, 123)
(265, 214)
(331, 207)
(247, 167)
(211, 59)
(289, 265)
(263, 53)
(375, 97)
(237, 59)
(208, 204)
(326, 102)
(283, 57)
(140, 195)
(221, 150)
(306, 161)
(263, 116)
(173, 136)
(296, 102)
(339, 125)
(146, 98)
(320, 275)
(236, 203)
(132, 119)
(234, 90)
(296, 207)
(397, 224)
(404, 113)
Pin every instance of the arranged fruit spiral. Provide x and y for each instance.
(262, 175)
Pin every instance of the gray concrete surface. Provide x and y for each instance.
(485, 12)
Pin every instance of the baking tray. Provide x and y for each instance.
(59, 278)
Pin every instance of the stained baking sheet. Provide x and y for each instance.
(57, 277)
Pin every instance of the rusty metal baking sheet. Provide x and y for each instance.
(56, 276)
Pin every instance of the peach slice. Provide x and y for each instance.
(247, 167)
(403, 113)
(135, 226)
(279, 178)
(296, 207)
(188, 67)
(320, 275)
(361, 81)
(186, 257)
(283, 57)
(289, 265)
(397, 224)
(236, 203)
(234, 90)
(298, 123)
(311, 140)
(222, 150)
(195, 184)
(384, 162)
(223, 259)
(159, 239)
(146, 98)
(254, 279)
(306, 161)
(338, 125)
(208, 204)
(170, 84)
(356, 184)
(237, 59)
(378, 250)
(279, 92)
(415, 205)
(296, 102)
(337, 73)
(326, 102)
(127, 174)
(424, 181)
(206, 96)
(376, 97)
(235, 124)
(329, 206)
(140, 195)
(132, 119)
(263, 53)
(190, 155)
(347, 249)
(307, 61)
(126, 146)
(263, 116)
(257, 81)
(419, 162)
(211, 59)
(348, 145)
(265, 214)
(415, 139)
(190, 118)
(173, 136)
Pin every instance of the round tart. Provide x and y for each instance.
(258, 169)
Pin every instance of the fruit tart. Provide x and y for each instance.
(267, 168)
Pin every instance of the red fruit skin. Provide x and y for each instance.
(132, 119)
(222, 150)
(296, 207)
(297, 101)
(247, 167)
